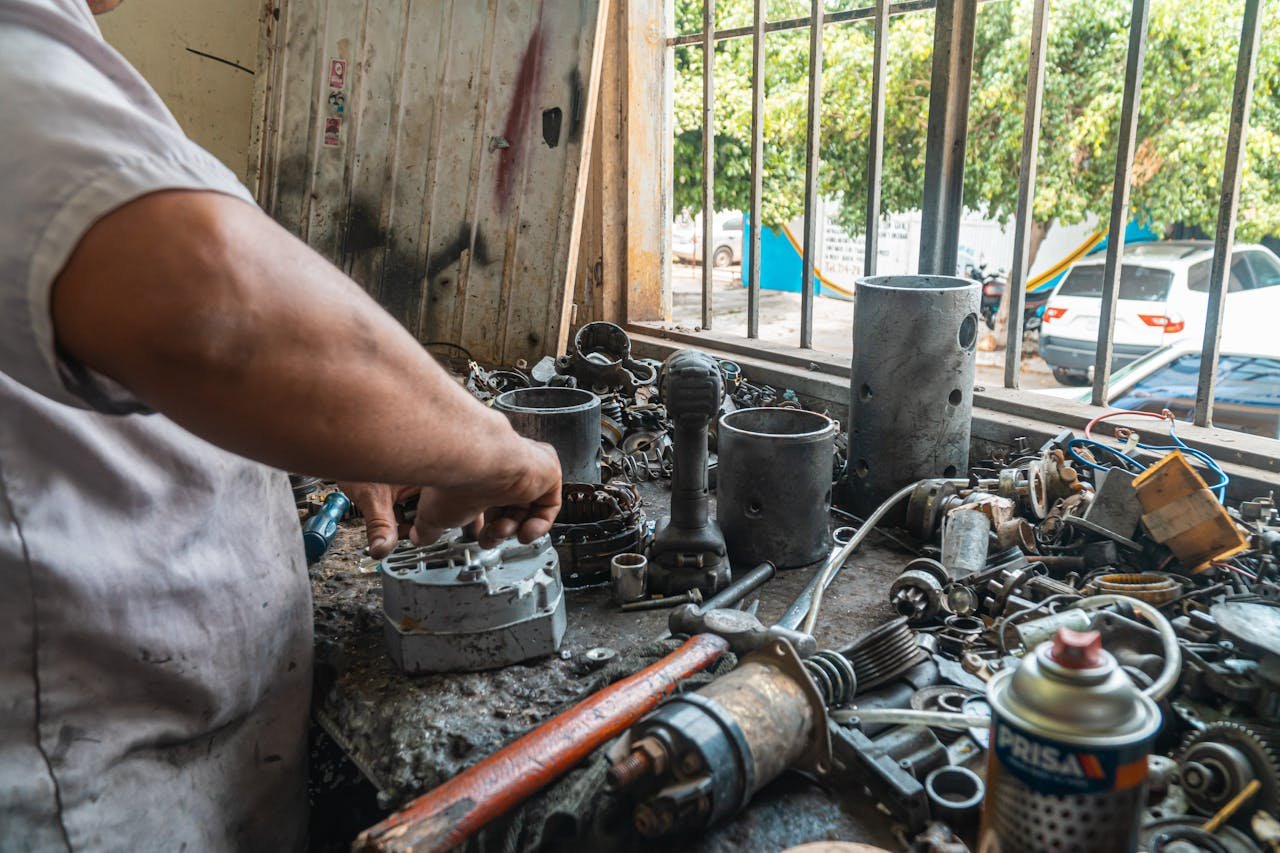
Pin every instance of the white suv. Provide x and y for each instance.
(1164, 295)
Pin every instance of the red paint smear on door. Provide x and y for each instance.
(516, 131)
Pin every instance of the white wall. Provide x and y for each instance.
(212, 100)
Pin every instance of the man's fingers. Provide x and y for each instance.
(376, 502)
(425, 534)
(532, 528)
(502, 527)
(380, 526)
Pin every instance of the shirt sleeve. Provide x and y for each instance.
(86, 136)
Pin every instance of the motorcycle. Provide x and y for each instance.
(993, 284)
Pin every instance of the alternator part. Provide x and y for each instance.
(1115, 508)
(893, 766)
(927, 505)
(885, 653)
(1020, 589)
(701, 756)
(966, 538)
(303, 485)
(566, 418)
(917, 593)
(1025, 485)
(1253, 625)
(1016, 533)
(595, 523)
(1187, 835)
(688, 548)
(1152, 588)
(773, 493)
(601, 360)
(955, 795)
(1216, 763)
(454, 606)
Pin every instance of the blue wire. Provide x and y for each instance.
(1219, 488)
(1097, 445)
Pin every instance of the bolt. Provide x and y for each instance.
(629, 770)
(1195, 776)
(654, 820)
(693, 596)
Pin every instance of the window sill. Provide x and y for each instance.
(1000, 415)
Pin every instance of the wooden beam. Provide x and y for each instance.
(647, 109)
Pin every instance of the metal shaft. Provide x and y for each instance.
(741, 588)
(693, 596)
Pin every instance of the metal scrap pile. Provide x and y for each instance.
(1086, 654)
(635, 429)
(1181, 590)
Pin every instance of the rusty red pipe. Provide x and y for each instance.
(447, 816)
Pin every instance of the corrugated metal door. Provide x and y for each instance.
(432, 149)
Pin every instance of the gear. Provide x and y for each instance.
(1216, 762)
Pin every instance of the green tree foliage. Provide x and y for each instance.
(1190, 66)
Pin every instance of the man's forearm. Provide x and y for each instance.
(239, 332)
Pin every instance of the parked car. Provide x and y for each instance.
(1246, 394)
(1163, 298)
(727, 229)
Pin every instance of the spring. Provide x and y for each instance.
(834, 676)
(611, 408)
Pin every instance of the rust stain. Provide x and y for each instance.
(516, 130)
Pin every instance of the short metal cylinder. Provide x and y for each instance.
(566, 418)
(955, 795)
(911, 387)
(629, 575)
(774, 494)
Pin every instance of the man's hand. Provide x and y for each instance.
(524, 508)
(376, 502)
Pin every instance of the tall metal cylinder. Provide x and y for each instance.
(774, 489)
(911, 388)
(566, 418)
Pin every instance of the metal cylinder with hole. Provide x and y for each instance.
(911, 385)
(774, 494)
(568, 419)
(628, 574)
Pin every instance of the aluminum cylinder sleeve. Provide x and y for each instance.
(911, 387)
(774, 492)
(568, 419)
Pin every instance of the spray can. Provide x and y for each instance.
(1070, 735)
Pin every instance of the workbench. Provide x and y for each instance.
(407, 734)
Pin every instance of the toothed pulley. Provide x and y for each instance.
(1216, 762)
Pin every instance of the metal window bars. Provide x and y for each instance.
(942, 204)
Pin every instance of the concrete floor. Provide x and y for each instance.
(832, 322)
(409, 734)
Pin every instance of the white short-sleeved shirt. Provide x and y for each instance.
(155, 619)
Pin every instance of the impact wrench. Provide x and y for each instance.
(688, 550)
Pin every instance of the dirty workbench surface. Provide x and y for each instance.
(410, 733)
